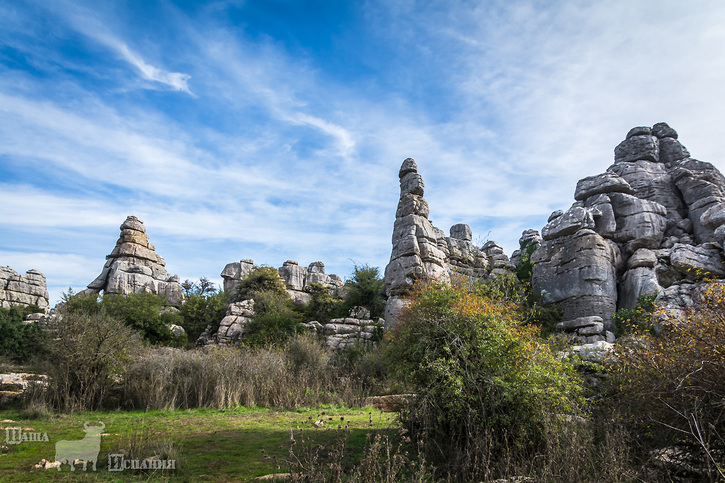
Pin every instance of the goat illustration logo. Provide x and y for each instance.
(86, 449)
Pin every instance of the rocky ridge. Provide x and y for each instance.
(423, 252)
(133, 267)
(653, 222)
(297, 278)
(23, 290)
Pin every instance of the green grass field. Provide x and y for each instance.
(206, 444)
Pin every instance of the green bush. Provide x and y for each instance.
(18, 341)
(260, 279)
(365, 289)
(323, 305)
(146, 312)
(638, 320)
(486, 385)
(276, 319)
(204, 307)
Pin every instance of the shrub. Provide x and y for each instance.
(85, 357)
(144, 312)
(260, 279)
(486, 385)
(202, 309)
(18, 341)
(322, 305)
(275, 319)
(365, 288)
(638, 320)
(671, 384)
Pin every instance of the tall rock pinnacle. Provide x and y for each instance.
(133, 266)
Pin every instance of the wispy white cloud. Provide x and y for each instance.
(176, 80)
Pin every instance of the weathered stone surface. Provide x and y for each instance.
(134, 267)
(575, 219)
(637, 147)
(701, 185)
(714, 216)
(600, 207)
(637, 281)
(671, 151)
(639, 131)
(653, 182)
(293, 275)
(663, 130)
(356, 329)
(23, 290)
(698, 262)
(233, 326)
(609, 182)
(640, 223)
(234, 272)
(461, 231)
(578, 272)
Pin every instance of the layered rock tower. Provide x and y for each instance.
(653, 222)
(134, 266)
(423, 252)
(22, 290)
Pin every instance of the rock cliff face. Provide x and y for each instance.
(133, 267)
(22, 290)
(297, 278)
(423, 252)
(655, 221)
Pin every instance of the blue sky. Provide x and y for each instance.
(274, 130)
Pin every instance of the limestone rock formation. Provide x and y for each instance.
(232, 327)
(654, 222)
(357, 328)
(423, 252)
(297, 279)
(133, 267)
(22, 290)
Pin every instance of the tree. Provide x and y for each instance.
(365, 288)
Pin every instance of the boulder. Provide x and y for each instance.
(637, 147)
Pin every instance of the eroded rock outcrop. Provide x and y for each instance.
(133, 267)
(358, 328)
(654, 222)
(423, 252)
(22, 290)
(297, 279)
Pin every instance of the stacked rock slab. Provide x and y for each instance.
(297, 279)
(232, 327)
(133, 267)
(654, 222)
(22, 290)
(423, 252)
(355, 329)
